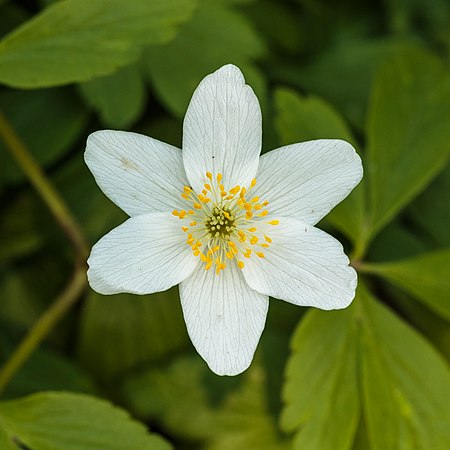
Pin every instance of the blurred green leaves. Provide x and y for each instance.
(76, 40)
(425, 277)
(216, 35)
(408, 133)
(49, 121)
(54, 421)
(405, 383)
(118, 98)
(230, 413)
(321, 391)
(301, 118)
(126, 331)
(365, 356)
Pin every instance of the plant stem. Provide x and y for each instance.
(44, 325)
(72, 292)
(43, 186)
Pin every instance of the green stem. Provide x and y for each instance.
(72, 292)
(43, 186)
(370, 268)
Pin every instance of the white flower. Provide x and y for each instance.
(232, 228)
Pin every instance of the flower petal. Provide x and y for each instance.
(304, 266)
(224, 318)
(145, 254)
(138, 173)
(307, 180)
(222, 130)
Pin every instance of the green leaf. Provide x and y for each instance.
(6, 442)
(431, 209)
(245, 421)
(396, 241)
(118, 98)
(426, 277)
(215, 36)
(76, 40)
(56, 421)
(169, 395)
(300, 118)
(321, 388)
(408, 131)
(49, 122)
(352, 63)
(230, 413)
(406, 384)
(123, 331)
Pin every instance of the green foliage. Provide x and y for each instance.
(118, 98)
(50, 122)
(344, 73)
(215, 36)
(408, 131)
(127, 331)
(54, 421)
(365, 356)
(228, 413)
(426, 277)
(321, 395)
(405, 383)
(6, 442)
(431, 210)
(100, 36)
(306, 118)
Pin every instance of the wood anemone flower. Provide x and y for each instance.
(231, 227)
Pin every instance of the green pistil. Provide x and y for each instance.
(220, 226)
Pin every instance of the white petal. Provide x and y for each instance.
(138, 173)
(224, 318)
(307, 180)
(222, 130)
(304, 266)
(145, 254)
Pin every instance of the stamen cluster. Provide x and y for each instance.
(224, 225)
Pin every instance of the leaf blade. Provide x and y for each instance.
(408, 131)
(100, 36)
(51, 421)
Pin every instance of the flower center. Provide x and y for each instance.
(223, 225)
